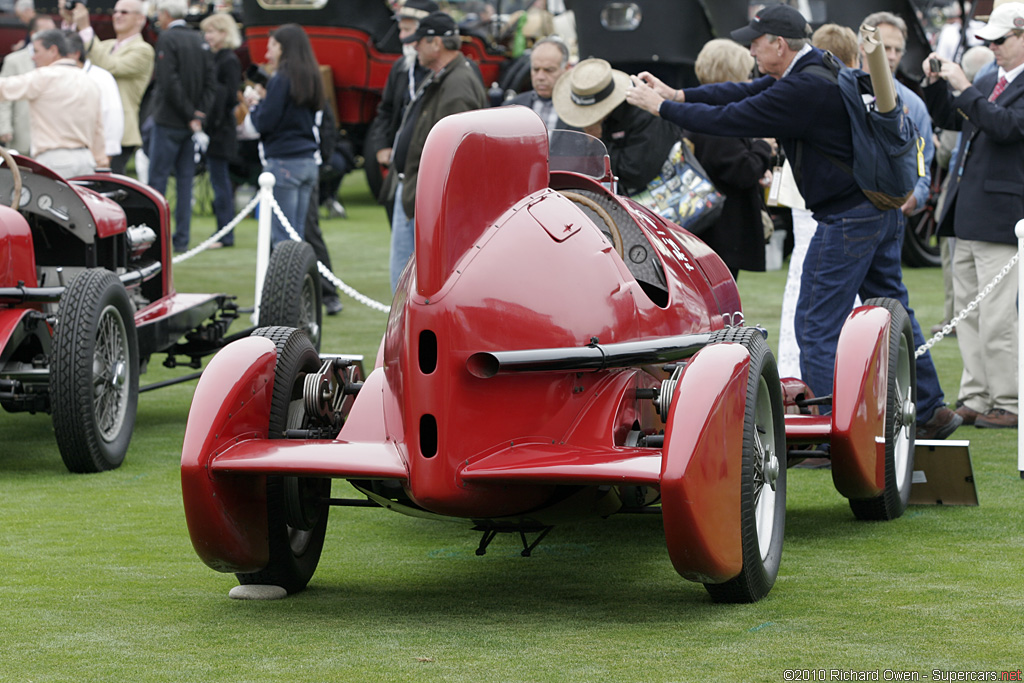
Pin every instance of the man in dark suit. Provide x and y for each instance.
(549, 59)
(985, 200)
(403, 81)
(185, 89)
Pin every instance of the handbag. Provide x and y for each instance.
(682, 192)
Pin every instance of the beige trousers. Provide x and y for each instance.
(988, 335)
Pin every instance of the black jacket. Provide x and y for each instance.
(183, 77)
(384, 126)
(638, 144)
(220, 122)
(736, 166)
(986, 200)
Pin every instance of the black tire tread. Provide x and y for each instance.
(754, 580)
(71, 399)
(281, 298)
(295, 354)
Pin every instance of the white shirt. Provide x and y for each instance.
(111, 110)
(1011, 74)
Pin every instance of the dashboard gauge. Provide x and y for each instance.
(45, 202)
(26, 196)
(637, 254)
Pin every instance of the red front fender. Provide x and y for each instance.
(701, 469)
(227, 513)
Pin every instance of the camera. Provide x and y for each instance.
(935, 65)
(70, 4)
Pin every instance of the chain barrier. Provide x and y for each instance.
(948, 327)
(324, 270)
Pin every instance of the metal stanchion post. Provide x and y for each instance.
(1019, 229)
(263, 237)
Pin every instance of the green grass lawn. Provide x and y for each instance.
(99, 582)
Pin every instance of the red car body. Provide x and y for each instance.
(513, 387)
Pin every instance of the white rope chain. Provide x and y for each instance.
(948, 327)
(324, 270)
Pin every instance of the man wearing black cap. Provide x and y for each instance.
(856, 249)
(451, 87)
(403, 80)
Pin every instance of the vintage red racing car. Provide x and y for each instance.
(86, 297)
(554, 351)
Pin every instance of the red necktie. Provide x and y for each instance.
(1000, 87)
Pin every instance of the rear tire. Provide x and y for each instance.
(94, 373)
(763, 487)
(901, 387)
(296, 512)
(291, 290)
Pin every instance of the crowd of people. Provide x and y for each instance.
(760, 115)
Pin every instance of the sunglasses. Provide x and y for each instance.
(124, 11)
(1002, 40)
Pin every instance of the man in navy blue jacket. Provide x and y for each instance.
(985, 200)
(184, 93)
(856, 249)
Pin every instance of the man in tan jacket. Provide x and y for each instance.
(128, 57)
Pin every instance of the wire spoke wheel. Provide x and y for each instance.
(110, 374)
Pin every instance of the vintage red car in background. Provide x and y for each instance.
(87, 297)
(554, 351)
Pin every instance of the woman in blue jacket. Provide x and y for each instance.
(286, 118)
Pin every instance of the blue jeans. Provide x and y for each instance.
(223, 195)
(172, 150)
(294, 180)
(403, 238)
(856, 251)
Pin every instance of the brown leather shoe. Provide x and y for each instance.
(997, 418)
(968, 414)
(942, 423)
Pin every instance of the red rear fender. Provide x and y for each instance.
(227, 514)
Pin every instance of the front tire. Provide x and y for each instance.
(94, 373)
(900, 399)
(296, 511)
(763, 492)
(291, 294)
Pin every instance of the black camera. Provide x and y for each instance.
(70, 4)
(935, 65)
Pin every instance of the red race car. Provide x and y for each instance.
(554, 351)
(86, 297)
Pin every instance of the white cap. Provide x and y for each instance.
(1005, 18)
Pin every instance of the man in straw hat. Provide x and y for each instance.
(592, 96)
(984, 201)
(856, 248)
(451, 87)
